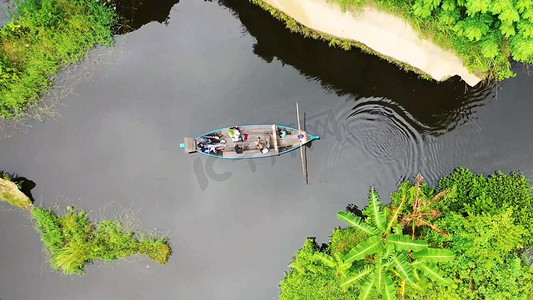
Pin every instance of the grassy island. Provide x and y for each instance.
(471, 237)
(72, 240)
(43, 37)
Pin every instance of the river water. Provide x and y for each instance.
(235, 225)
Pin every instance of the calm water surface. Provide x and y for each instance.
(235, 225)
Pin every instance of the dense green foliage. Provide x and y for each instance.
(489, 239)
(488, 221)
(310, 279)
(493, 195)
(386, 255)
(72, 241)
(485, 33)
(43, 37)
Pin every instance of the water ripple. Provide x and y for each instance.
(384, 132)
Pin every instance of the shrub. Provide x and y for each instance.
(496, 194)
(310, 279)
(43, 37)
(483, 220)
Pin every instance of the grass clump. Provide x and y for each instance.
(43, 37)
(72, 241)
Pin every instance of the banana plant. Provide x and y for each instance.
(337, 262)
(388, 254)
(422, 211)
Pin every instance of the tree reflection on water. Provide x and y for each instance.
(435, 108)
(133, 14)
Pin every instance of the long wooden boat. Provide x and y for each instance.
(225, 143)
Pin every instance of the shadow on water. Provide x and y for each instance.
(136, 13)
(430, 107)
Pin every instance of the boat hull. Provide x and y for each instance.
(222, 143)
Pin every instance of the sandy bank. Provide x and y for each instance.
(382, 32)
(9, 192)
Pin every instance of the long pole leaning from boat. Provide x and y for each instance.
(302, 144)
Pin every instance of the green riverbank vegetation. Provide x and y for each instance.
(487, 35)
(10, 193)
(72, 240)
(470, 237)
(43, 37)
(333, 41)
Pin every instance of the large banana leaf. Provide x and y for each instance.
(395, 215)
(353, 278)
(400, 263)
(433, 273)
(403, 242)
(338, 257)
(380, 272)
(357, 222)
(434, 255)
(367, 289)
(377, 215)
(325, 259)
(370, 246)
(388, 291)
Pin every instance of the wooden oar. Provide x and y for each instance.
(302, 152)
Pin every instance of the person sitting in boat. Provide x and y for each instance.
(262, 145)
(209, 147)
(215, 148)
(282, 133)
(201, 146)
(235, 134)
(302, 136)
(239, 149)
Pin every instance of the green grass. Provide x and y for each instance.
(10, 193)
(43, 37)
(72, 241)
(8, 197)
